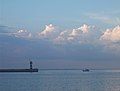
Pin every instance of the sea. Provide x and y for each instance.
(61, 80)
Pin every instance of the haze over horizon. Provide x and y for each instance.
(60, 34)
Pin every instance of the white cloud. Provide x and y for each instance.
(83, 29)
(49, 32)
(83, 41)
(111, 35)
(85, 34)
(104, 17)
(78, 35)
(22, 34)
(75, 32)
(48, 29)
(13, 32)
(111, 39)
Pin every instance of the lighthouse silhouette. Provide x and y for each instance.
(31, 65)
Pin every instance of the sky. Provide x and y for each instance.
(60, 33)
(33, 15)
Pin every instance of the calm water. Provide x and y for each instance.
(61, 80)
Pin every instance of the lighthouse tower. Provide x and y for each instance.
(31, 64)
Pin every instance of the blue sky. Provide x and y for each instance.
(66, 13)
(60, 33)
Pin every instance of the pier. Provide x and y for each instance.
(31, 69)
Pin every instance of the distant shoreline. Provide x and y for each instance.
(79, 69)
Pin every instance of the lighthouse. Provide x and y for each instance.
(31, 64)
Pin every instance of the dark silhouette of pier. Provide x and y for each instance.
(31, 69)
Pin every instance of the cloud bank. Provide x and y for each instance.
(111, 35)
(49, 32)
(82, 43)
(111, 39)
(78, 35)
(22, 34)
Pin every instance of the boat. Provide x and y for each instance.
(86, 70)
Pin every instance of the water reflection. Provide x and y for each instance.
(61, 80)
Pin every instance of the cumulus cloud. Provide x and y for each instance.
(11, 31)
(111, 39)
(85, 28)
(49, 32)
(57, 35)
(111, 35)
(78, 35)
(83, 35)
(22, 34)
(48, 29)
(62, 36)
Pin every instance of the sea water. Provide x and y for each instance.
(61, 80)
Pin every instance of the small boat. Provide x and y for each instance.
(85, 70)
